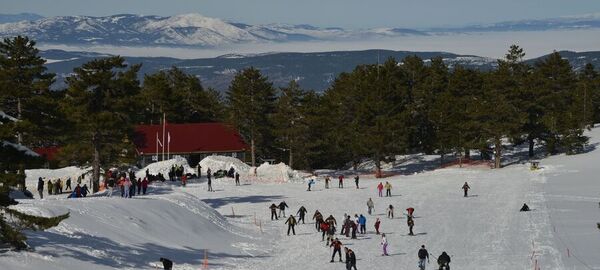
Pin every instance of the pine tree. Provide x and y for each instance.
(289, 120)
(24, 84)
(250, 104)
(555, 80)
(99, 105)
(13, 222)
(180, 96)
(441, 100)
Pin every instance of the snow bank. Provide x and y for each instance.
(164, 167)
(216, 163)
(277, 173)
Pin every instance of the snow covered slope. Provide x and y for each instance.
(482, 231)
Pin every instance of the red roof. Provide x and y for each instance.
(49, 153)
(189, 138)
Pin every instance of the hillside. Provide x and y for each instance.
(313, 71)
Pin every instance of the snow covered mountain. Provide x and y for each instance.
(180, 30)
(581, 22)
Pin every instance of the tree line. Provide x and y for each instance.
(375, 111)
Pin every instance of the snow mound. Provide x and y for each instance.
(216, 163)
(164, 167)
(277, 173)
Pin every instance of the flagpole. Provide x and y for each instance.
(168, 145)
(156, 152)
(163, 133)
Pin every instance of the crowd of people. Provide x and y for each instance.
(354, 226)
(58, 186)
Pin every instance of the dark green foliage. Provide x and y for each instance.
(100, 107)
(24, 86)
(180, 96)
(13, 223)
(250, 104)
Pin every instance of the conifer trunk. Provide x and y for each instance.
(252, 152)
(19, 116)
(531, 145)
(291, 158)
(96, 166)
(497, 153)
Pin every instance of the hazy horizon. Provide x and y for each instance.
(332, 13)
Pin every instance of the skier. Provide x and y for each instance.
(282, 207)
(388, 189)
(525, 208)
(318, 218)
(444, 261)
(121, 183)
(49, 187)
(310, 183)
(138, 184)
(390, 211)
(330, 232)
(126, 187)
(324, 229)
(132, 186)
(291, 222)
(356, 181)
(301, 212)
(466, 188)
(410, 222)
(362, 221)
(167, 264)
(183, 180)
(144, 185)
(341, 181)
(327, 179)
(384, 245)
(68, 184)
(377, 224)
(84, 190)
(60, 186)
(370, 206)
(40, 187)
(380, 189)
(208, 176)
(237, 178)
(77, 191)
(337, 248)
(423, 254)
(111, 186)
(273, 208)
(331, 219)
(354, 226)
(350, 259)
(198, 169)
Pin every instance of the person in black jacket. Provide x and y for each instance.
(423, 255)
(40, 187)
(167, 264)
(282, 207)
(273, 208)
(301, 213)
(444, 260)
(350, 259)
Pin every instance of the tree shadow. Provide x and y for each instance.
(106, 252)
(220, 202)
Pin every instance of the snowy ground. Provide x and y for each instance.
(483, 231)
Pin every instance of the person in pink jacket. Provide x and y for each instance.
(380, 189)
(126, 186)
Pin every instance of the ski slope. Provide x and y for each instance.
(483, 231)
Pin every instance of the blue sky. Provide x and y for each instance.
(342, 13)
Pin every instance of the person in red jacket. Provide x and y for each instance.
(324, 228)
(377, 224)
(380, 189)
(183, 180)
(341, 181)
(144, 185)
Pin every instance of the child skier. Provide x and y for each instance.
(341, 181)
(388, 189)
(370, 206)
(301, 213)
(384, 245)
(291, 222)
(337, 248)
(380, 189)
(466, 188)
(377, 224)
(390, 211)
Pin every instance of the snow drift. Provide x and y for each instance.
(216, 163)
(164, 167)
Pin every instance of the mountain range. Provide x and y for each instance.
(195, 30)
(314, 71)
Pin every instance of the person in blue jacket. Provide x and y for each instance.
(362, 221)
